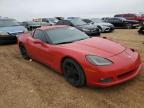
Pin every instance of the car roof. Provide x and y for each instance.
(51, 27)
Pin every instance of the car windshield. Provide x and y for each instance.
(78, 22)
(41, 23)
(122, 18)
(8, 23)
(54, 20)
(65, 35)
(97, 20)
(88, 21)
(32, 23)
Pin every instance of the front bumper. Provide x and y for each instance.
(118, 72)
(118, 80)
(96, 33)
(8, 40)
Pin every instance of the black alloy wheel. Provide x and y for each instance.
(73, 73)
(23, 51)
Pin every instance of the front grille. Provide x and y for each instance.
(126, 74)
(93, 30)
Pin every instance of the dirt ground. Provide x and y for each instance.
(25, 84)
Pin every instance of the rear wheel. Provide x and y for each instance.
(23, 51)
(73, 73)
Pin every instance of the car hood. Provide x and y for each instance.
(96, 46)
(35, 25)
(88, 26)
(103, 24)
(13, 29)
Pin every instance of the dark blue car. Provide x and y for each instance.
(9, 29)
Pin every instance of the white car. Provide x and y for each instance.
(103, 26)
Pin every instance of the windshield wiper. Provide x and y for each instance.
(11, 34)
(71, 41)
(80, 39)
(64, 42)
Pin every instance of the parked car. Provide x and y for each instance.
(31, 25)
(81, 25)
(103, 26)
(130, 16)
(60, 18)
(71, 18)
(9, 29)
(80, 58)
(51, 21)
(119, 22)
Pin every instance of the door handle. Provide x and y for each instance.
(36, 42)
(39, 42)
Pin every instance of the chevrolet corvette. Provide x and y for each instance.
(82, 60)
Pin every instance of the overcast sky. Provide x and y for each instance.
(28, 9)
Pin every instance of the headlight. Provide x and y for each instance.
(95, 60)
(85, 29)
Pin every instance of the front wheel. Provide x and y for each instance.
(73, 73)
(23, 51)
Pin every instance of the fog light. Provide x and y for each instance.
(104, 80)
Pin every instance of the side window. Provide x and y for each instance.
(111, 20)
(68, 23)
(117, 20)
(39, 34)
(60, 22)
(45, 20)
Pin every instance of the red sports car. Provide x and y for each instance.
(81, 59)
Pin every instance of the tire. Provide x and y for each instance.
(8, 40)
(73, 73)
(141, 30)
(23, 51)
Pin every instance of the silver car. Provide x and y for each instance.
(103, 26)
